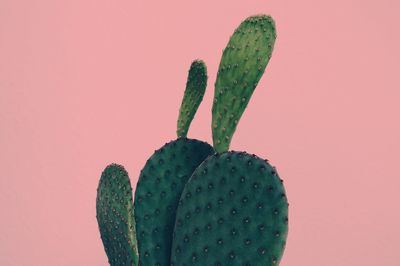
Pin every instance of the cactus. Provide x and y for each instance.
(195, 206)
(162, 179)
(114, 210)
(233, 210)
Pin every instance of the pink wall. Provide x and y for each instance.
(85, 83)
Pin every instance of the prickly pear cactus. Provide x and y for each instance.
(234, 210)
(114, 208)
(163, 177)
(194, 206)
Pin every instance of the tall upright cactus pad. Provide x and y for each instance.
(242, 65)
(162, 179)
(233, 211)
(195, 89)
(114, 210)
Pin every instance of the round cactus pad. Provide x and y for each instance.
(233, 211)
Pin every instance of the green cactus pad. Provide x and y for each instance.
(114, 210)
(195, 88)
(233, 211)
(157, 194)
(242, 65)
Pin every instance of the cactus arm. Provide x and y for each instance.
(195, 88)
(242, 64)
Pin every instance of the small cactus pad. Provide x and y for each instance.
(157, 194)
(114, 210)
(242, 65)
(195, 88)
(233, 211)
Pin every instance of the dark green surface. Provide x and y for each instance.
(195, 88)
(242, 65)
(233, 211)
(157, 193)
(114, 209)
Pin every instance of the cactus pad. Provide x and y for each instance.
(233, 211)
(194, 92)
(157, 193)
(242, 64)
(114, 210)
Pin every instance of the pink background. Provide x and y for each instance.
(86, 83)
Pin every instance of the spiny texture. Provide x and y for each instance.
(157, 193)
(233, 211)
(114, 210)
(195, 88)
(242, 65)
